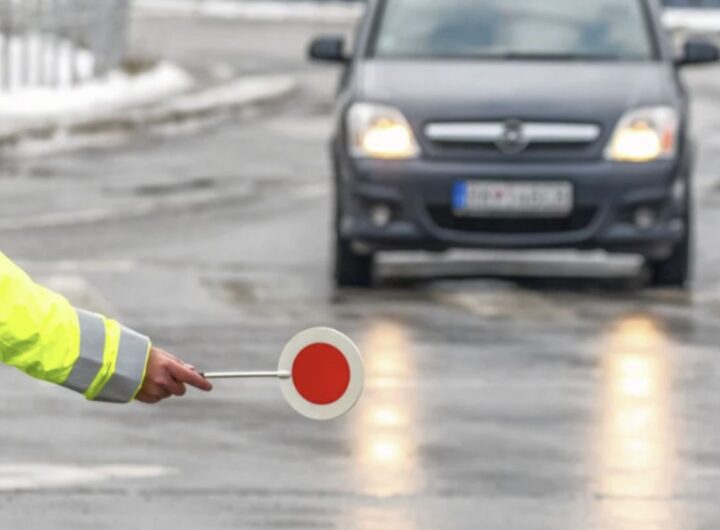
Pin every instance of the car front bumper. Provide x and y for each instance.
(607, 196)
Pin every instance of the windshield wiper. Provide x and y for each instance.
(521, 56)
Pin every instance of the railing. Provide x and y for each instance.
(58, 43)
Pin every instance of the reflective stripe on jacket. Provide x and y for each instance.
(45, 337)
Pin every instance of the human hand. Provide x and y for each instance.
(167, 376)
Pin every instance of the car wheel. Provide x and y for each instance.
(351, 268)
(676, 270)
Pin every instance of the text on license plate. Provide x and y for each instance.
(506, 198)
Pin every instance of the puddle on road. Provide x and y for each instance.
(235, 292)
(174, 187)
(636, 460)
(385, 428)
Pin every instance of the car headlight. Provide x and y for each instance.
(644, 135)
(379, 131)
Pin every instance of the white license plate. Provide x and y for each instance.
(551, 199)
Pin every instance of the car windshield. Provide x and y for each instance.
(521, 29)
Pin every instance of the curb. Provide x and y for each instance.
(230, 96)
(306, 11)
(217, 100)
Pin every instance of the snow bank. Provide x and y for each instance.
(49, 80)
(92, 99)
(257, 10)
(693, 20)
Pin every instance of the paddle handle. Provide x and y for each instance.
(247, 375)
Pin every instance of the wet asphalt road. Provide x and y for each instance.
(496, 402)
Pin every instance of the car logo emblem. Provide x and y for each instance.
(512, 140)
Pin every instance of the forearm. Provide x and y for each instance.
(45, 337)
(111, 360)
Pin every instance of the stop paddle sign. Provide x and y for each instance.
(320, 371)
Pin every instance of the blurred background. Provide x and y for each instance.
(166, 162)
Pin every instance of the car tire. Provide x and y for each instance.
(676, 270)
(351, 268)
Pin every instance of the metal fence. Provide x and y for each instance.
(56, 43)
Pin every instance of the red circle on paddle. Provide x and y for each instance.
(321, 374)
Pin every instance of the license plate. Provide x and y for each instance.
(551, 199)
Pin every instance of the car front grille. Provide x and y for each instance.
(444, 217)
(512, 140)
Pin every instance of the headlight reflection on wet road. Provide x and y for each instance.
(385, 429)
(636, 446)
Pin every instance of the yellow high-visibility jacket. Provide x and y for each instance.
(44, 336)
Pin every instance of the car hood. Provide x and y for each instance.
(593, 91)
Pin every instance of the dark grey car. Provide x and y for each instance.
(513, 124)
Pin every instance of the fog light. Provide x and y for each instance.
(645, 218)
(380, 215)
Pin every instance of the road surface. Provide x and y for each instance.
(580, 401)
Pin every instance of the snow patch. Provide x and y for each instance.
(693, 20)
(257, 10)
(93, 99)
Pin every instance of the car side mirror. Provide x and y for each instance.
(698, 51)
(331, 49)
